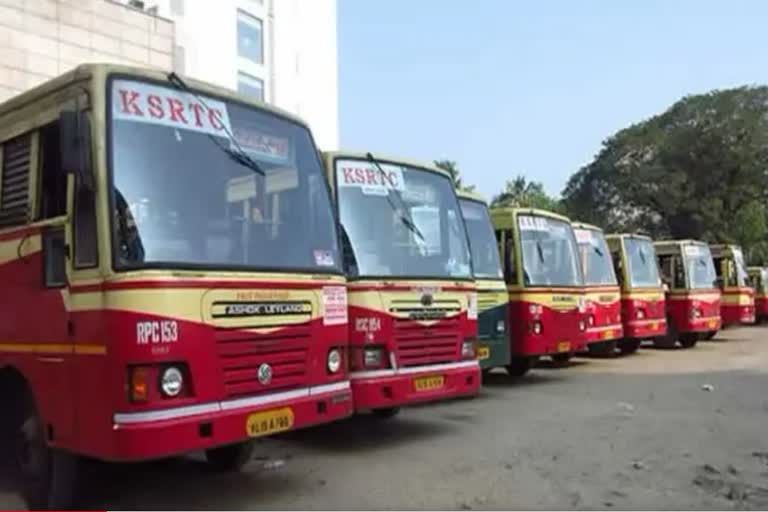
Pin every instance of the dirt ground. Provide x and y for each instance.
(671, 429)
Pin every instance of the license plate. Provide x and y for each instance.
(483, 352)
(608, 335)
(429, 383)
(269, 422)
(564, 346)
(654, 326)
(712, 324)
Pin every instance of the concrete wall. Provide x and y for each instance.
(40, 39)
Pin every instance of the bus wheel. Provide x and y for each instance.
(231, 457)
(561, 360)
(689, 340)
(519, 366)
(48, 476)
(385, 413)
(602, 348)
(629, 346)
(709, 335)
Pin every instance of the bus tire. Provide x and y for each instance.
(385, 413)
(689, 340)
(561, 360)
(230, 458)
(602, 348)
(709, 335)
(519, 366)
(48, 476)
(627, 347)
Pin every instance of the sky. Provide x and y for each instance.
(507, 87)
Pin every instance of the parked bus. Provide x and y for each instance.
(758, 277)
(412, 298)
(692, 298)
(603, 295)
(492, 298)
(540, 259)
(643, 308)
(171, 276)
(738, 299)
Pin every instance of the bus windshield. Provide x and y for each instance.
(741, 267)
(482, 241)
(203, 182)
(643, 267)
(400, 221)
(595, 257)
(699, 267)
(550, 253)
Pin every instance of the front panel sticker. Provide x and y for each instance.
(144, 103)
(369, 178)
(334, 305)
(323, 258)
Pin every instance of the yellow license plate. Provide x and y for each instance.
(608, 335)
(269, 422)
(429, 383)
(712, 324)
(654, 326)
(564, 346)
(483, 352)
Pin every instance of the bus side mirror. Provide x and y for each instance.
(75, 145)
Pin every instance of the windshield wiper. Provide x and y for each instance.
(237, 153)
(405, 219)
(540, 251)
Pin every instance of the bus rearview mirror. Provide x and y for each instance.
(75, 145)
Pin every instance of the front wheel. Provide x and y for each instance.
(230, 458)
(519, 366)
(689, 340)
(627, 347)
(48, 476)
(385, 413)
(709, 335)
(561, 360)
(602, 348)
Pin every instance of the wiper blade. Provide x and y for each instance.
(237, 154)
(405, 219)
(540, 251)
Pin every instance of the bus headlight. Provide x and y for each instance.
(171, 382)
(536, 327)
(640, 314)
(695, 313)
(334, 360)
(582, 326)
(468, 348)
(591, 320)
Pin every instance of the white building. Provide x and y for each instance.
(282, 51)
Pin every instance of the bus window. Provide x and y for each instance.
(53, 182)
(616, 256)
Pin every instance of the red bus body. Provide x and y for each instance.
(738, 297)
(544, 320)
(412, 340)
(695, 311)
(758, 277)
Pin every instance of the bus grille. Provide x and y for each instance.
(241, 353)
(417, 344)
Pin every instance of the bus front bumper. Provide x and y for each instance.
(380, 389)
(166, 432)
(701, 325)
(603, 333)
(645, 329)
(737, 314)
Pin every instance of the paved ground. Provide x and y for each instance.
(657, 430)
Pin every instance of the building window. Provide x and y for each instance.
(250, 86)
(250, 37)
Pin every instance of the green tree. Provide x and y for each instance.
(697, 170)
(451, 168)
(528, 194)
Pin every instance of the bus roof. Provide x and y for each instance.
(674, 246)
(621, 236)
(94, 70)
(584, 225)
(719, 250)
(470, 195)
(358, 155)
(757, 270)
(503, 217)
